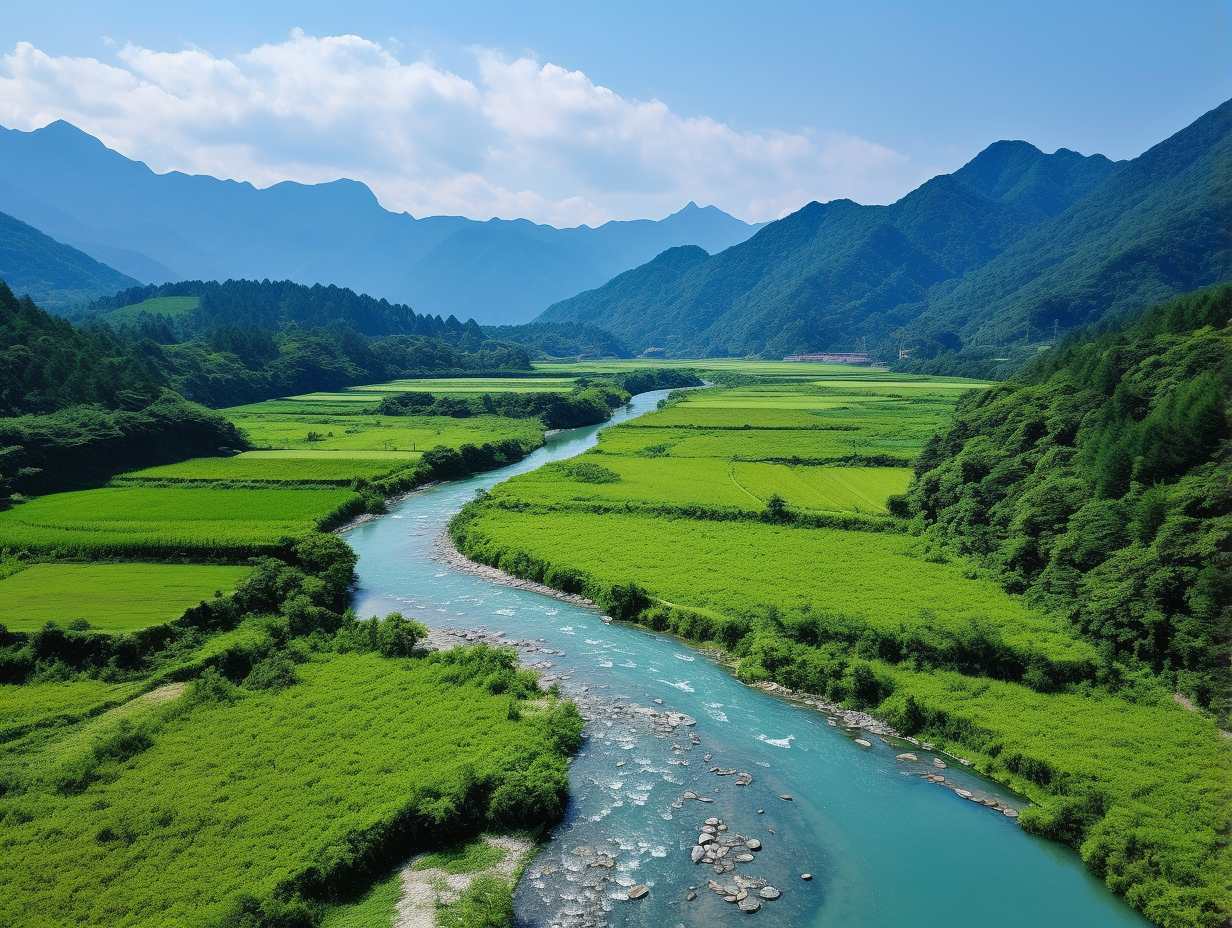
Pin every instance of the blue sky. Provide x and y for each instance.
(571, 112)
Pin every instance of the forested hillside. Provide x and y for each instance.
(78, 405)
(241, 341)
(1097, 481)
(981, 262)
(55, 274)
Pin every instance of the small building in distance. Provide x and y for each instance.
(841, 357)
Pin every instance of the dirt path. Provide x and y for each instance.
(1185, 703)
(421, 889)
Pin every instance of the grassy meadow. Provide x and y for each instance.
(728, 518)
(339, 468)
(202, 801)
(111, 597)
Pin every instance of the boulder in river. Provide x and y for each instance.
(785, 797)
(697, 853)
(749, 906)
(806, 876)
(769, 892)
(753, 844)
(906, 757)
(638, 891)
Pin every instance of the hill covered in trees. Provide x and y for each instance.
(970, 262)
(79, 403)
(242, 341)
(1096, 481)
(54, 274)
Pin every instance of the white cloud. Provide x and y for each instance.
(525, 139)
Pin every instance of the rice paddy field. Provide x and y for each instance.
(286, 425)
(119, 521)
(111, 597)
(328, 467)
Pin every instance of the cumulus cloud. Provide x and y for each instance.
(524, 139)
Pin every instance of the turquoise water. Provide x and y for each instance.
(884, 846)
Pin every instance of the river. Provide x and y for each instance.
(885, 847)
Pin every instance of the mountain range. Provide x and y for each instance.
(1015, 244)
(159, 228)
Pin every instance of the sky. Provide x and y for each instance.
(571, 113)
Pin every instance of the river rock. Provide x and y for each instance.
(744, 858)
(697, 853)
(966, 794)
(864, 744)
(769, 892)
(690, 897)
(638, 891)
(749, 906)
(785, 797)
(709, 829)
(939, 763)
(713, 821)
(753, 844)
(704, 838)
(1010, 813)
(806, 876)
(906, 757)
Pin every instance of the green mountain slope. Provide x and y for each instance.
(969, 258)
(1156, 226)
(1095, 481)
(54, 274)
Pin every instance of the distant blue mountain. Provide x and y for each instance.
(164, 227)
(55, 275)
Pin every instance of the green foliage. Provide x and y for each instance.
(47, 364)
(486, 903)
(1096, 482)
(258, 806)
(463, 858)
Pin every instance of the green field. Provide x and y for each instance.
(111, 597)
(330, 467)
(741, 569)
(674, 530)
(162, 305)
(116, 521)
(224, 797)
(836, 489)
(37, 703)
(271, 426)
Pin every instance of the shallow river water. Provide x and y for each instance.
(885, 847)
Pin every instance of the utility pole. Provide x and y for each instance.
(1055, 325)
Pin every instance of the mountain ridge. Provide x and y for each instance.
(1012, 238)
(178, 226)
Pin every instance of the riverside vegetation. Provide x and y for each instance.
(193, 726)
(1055, 572)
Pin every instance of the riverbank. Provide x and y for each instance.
(856, 724)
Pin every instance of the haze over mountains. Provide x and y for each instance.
(169, 227)
(1014, 238)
